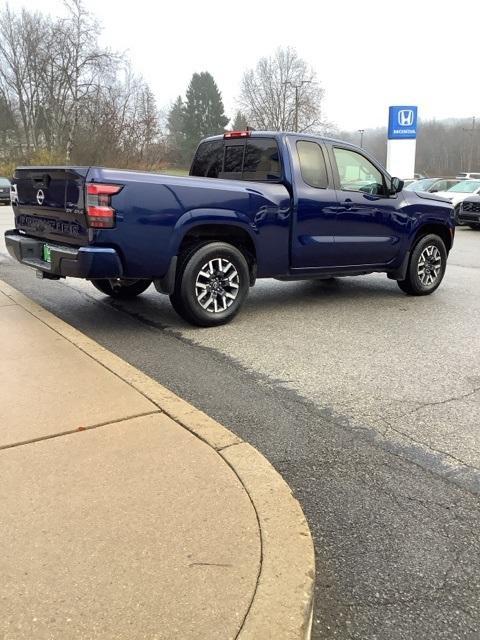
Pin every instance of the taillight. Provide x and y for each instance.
(100, 213)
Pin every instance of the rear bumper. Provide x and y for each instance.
(77, 262)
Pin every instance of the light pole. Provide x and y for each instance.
(361, 132)
(296, 87)
(471, 132)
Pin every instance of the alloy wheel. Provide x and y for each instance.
(217, 285)
(429, 265)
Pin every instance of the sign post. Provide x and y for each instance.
(402, 141)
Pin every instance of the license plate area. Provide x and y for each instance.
(46, 253)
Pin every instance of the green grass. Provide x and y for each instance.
(174, 171)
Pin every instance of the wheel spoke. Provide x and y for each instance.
(206, 304)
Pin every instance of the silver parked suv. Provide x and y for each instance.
(4, 191)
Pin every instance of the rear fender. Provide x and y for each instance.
(202, 217)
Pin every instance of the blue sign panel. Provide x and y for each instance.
(402, 123)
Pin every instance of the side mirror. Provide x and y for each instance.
(396, 185)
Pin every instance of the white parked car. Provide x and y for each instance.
(460, 191)
(468, 176)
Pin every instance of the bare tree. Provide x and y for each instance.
(86, 61)
(20, 49)
(282, 94)
(64, 97)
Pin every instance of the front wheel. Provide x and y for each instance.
(211, 285)
(120, 288)
(426, 267)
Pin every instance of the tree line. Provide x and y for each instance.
(444, 147)
(65, 99)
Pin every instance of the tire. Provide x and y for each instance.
(426, 267)
(121, 289)
(474, 226)
(211, 285)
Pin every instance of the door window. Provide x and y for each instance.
(356, 173)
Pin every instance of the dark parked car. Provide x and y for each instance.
(431, 185)
(4, 191)
(468, 212)
(256, 205)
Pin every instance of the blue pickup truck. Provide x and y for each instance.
(255, 205)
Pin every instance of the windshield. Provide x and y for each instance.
(466, 186)
(4, 182)
(420, 185)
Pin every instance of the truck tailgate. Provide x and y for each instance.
(50, 203)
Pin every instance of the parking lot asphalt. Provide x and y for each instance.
(368, 403)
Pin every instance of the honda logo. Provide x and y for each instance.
(40, 197)
(405, 118)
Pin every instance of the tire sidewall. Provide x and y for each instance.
(194, 263)
(416, 283)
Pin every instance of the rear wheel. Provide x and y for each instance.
(120, 288)
(211, 285)
(426, 267)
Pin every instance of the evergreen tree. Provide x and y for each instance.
(176, 132)
(240, 122)
(203, 114)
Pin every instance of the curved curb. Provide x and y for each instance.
(282, 605)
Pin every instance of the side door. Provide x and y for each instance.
(369, 223)
(314, 216)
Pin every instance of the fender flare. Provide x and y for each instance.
(201, 218)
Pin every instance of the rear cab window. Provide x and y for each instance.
(312, 164)
(255, 159)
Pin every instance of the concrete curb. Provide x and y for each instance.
(282, 604)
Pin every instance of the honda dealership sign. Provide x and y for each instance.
(402, 123)
(401, 144)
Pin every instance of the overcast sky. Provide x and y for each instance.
(368, 54)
